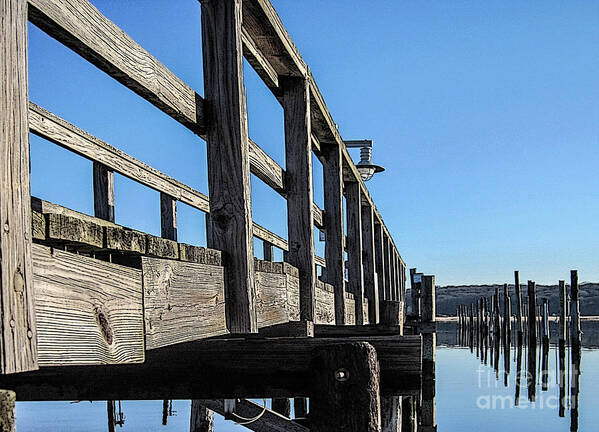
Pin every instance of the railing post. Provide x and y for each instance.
(267, 250)
(228, 163)
(368, 261)
(333, 215)
(103, 192)
(354, 247)
(379, 259)
(298, 181)
(387, 266)
(393, 269)
(18, 337)
(168, 217)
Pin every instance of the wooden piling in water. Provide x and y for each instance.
(532, 341)
(519, 327)
(429, 340)
(545, 326)
(576, 333)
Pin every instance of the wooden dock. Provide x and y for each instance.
(92, 310)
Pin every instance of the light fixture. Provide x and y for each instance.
(365, 167)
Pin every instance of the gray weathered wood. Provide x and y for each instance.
(18, 332)
(61, 132)
(63, 229)
(354, 246)
(183, 301)
(391, 414)
(346, 394)
(89, 311)
(563, 313)
(103, 192)
(282, 406)
(38, 225)
(368, 261)
(334, 219)
(81, 27)
(387, 268)
(168, 217)
(228, 161)
(202, 419)
(7, 411)
(277, 298)
(379, 256)
(325, 308)
(298, 162)
(266, 169)
(161, 247)
(575, 329)
(259, 62)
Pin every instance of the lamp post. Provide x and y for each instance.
(365, 167)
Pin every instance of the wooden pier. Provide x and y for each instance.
(92, 310)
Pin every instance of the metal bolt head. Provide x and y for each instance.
(341, 375)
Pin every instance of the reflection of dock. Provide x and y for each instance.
(493, 331)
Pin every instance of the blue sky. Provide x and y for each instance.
(485, 115)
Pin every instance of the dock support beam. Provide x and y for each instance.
(428, 420)
(346, 389)
(202, 419)
(228, 163)
(354, 247)
(7, 411)
(18, 346)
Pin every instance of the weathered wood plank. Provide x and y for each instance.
(263, 25)
(270, 421)
(126, 240)
(161, 247)
(272, 299)
(354, 247)
(334, 244)
(88, 311)
(298, 179)
(259, 62)
(63, 229)
(379, 254)
(18, 350)
(103, 192)
(325, 304)
(274, 239)
(368, 264)
(347, 389)
(168, 217)
(266, 169)
(38, 226)
(7, 410)
(64, 134)
(228, 161)
(200, 255)
(81, 27)
(232, 368)
(387, 267)
(182, 301)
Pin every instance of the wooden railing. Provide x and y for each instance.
(231, 30)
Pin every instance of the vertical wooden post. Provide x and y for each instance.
(346, 389)
(532, 310)
(267, 250)
(387, 266)
(103, 192)
(519, 305)
(202, 419)
(368, 264)
(393, 269)
(300, 407)
(168, 217)
(429, 340)
(408, 414)
(228, 163)
(354, 247)
(7, 411)
(563, 314)
(545, 325)
(111, 415)
(380, 259)
(18, 347)
(391, 414)
(575, 332)
(298, 182)
(333, 213)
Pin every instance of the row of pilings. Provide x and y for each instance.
(492, 326)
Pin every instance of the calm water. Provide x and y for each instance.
(468, 394)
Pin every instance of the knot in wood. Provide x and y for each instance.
(18, 281)
(102, 321)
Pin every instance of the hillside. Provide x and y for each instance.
(449, 297)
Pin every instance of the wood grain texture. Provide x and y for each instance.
(63, 229)
(371, 292)
(266, 169)
(379, 259)
(228, 159)
(214, 368)
(270, 421)
(271, 299)
(298, 163)
(81, 27)
(103, 192)
(161, 247)
(182, 301)
(38, 226)
(354, 247)
(59, 131)
(259, 62)
(126, 240)
(334, 244)
(325, 304)
(267, 250)
(18, 350)
(199, 254)
(168, 217)
(350, 401)
(264, 234)
(387, 267)
(89, 312)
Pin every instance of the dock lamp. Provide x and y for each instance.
(365, 167)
